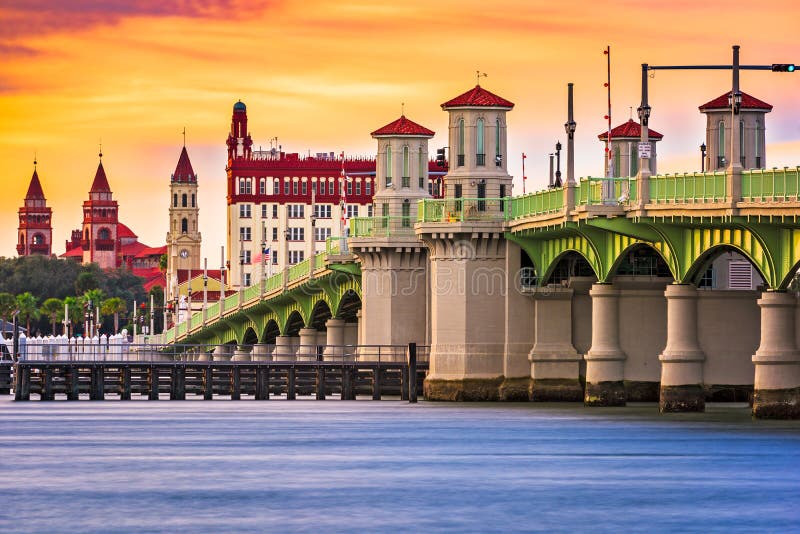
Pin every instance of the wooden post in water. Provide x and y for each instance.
(404, 383)
(125, 383)
(22, 389)
(46, 392)
(376, 382)
(97, 382)
(262, 383)
(177, 390)
(320, 382)
(290, 378)
(347, 383)
(73, 380)
(208, 383)
(236, 383)
(412, 372)
(152, 381)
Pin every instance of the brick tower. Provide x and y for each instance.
(35, 230)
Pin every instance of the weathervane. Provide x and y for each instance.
(478, 75)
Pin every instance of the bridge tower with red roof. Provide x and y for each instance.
(99, 240)
(752, 141)
(35, 230)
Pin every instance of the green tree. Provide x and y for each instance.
(93, 299)
(75, 313)
(157, 292)
(114, 306)
(162, 262)
(28, 308)
(86, 281)
(7, 305)
(53, 309)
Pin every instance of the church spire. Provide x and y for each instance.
(184, 171)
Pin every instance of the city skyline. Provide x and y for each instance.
(133, 74)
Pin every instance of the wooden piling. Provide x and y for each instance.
(290, 379)
(73, 380)
(236, 383)
(22, 388)
(152, 382)
(412, 373)
(376, 383)
(97, 382)
(262, 383)
(208, 383)
(125, 383)
(347, 383)
(177, 388)
(46, 387)
(320, 382)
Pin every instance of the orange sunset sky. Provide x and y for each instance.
(321, 75)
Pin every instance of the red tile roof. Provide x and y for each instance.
(35, 188)
(132, 249)
(152, 251)
(100, 184)
(629, 129)
(403, 126)
(157, 280)
(478, 97)
(124, 231)
(183, 274)
(73, 253)
(748, 102)
(184, 171)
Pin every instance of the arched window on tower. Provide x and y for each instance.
(184, 225)
(38, 239)
(86, 235)
(422, 168)
(22, 239)
(498, 158)
(388, 166)
(720, 144)
(183, 200)
(757, 151)
(460, 155)
(193, 201)
(104, 233)
(480, 153)
(742, 157)
(406, 168)
(175, 200)
(634, 161)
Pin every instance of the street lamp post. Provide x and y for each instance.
(557, 183)
(703, 157)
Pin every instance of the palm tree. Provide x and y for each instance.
(28, 309)
(75, 312)
(114, 306)
(53, 309)
(95, 297)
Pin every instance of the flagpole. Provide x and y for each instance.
(524, 178)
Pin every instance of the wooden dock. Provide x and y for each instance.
(180, 380)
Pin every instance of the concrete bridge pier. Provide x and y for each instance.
(308, 345)
(334, 349)
(777, 360)
(284, 349)
(682, 359)
(241, 354)
(605, 361)
(555, 364)
(222, 353)
(261, 353)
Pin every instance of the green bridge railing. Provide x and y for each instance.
(537, 203)
(605, 190)
(771, 184)
(688, 187)
(463, 209)
(384, 226)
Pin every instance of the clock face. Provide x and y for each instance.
(184, 253)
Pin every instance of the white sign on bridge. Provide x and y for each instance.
(644, 150)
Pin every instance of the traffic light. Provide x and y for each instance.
(440, 161)
(783, 67)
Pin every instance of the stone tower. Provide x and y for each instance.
(35, 230)
(469, 269)
(183, 237)
(393, 261)
(752, 144)
(624, 147)
(100, 221)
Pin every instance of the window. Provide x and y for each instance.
(322, 187)
(322, 211)
(246, 255)
(481, 196)
(244, 233)
(369, 210)
(296, 234)
(275, 257)
(721, 145)
(183, 200)
(276, 187)
(244, 211)
(461, 142)
(422, 169)
(184, 225)
(707, 280)
(406, 214)
(245, 187)
(296, 256)
(294, 187)
(305, 188)
(296, 211)
(193, 201)
(406, 178)
(350, 187)
(286, 186)
(175, 200)
(262, 187)
(352, 210)
(385, 209)
(275, 234)
(358, 187)
(741, 144)
(368, 187)
(321, 234)
(274, 211)
(388, 166)
(502, 196)
(617, 163)
(263, 211)
(757, 151)
(480, 154)
(246, 278)
(105, 233)
(634, 161)
(497, 157)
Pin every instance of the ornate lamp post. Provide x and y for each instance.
(703, 157)
(558, 164)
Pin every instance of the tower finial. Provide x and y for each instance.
(478, 76)
(184, 137)
(35, 158)
(101, 148)
(402, 109)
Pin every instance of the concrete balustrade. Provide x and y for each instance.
(682, 358)
(777, 360)
(605, 361)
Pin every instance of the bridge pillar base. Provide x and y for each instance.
(610, 393)
(605, 361)
(284, 349)
(777, 360)
(261, 353)
(682, 359)
(334, 342)
(241, 355)
(515, 389)
(556, 390)
(222, 353)
(308, 345)
(463, 390)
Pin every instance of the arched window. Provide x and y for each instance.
(634, 162)
(498, 159)
(721, 144)
(183, 200)
(86, 235)
(184, 225)
(175, 200)
(741, 144)
(104, 233)
(460, 155)
(193, 200)
(479, 144)
(38, 239)
(388, 166)
(406, 178)
(617, 163)
(422, 169)
(22, 239)
(757, 151)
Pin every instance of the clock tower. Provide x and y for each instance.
(183, 238)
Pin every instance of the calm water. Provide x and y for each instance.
(336, 466)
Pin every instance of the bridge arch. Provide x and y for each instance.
(320, 315)
(294, 322)
(250, 337)
(628, 261)
(570, 262)
(349, 305)
(703, 261)
(271, 331)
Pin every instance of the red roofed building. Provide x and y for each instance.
(752, 138)
(35, 232)
(624, 148)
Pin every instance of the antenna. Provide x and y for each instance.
(479, 75)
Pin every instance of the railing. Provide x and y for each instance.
(273, 282)
(195, 320)
(299, 270)
(231, 302)
(336, 245)
(251, 292)
(181, 328)
(319, 260)
(771, 184)
(688, 187)
(538, 203)
(463, 209)
(385, 226)
(606, 190)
